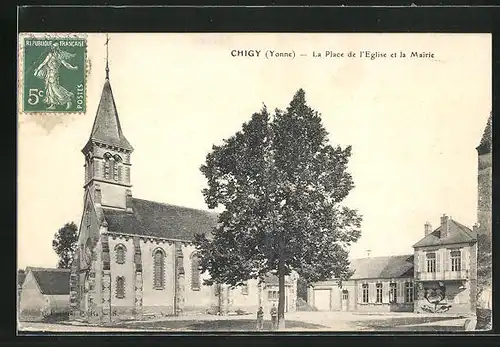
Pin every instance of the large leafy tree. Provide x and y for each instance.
(65, 243)
(281, 185)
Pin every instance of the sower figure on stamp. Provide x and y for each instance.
(274, 317)
(260, 319)
(48, 70)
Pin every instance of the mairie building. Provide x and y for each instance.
(136, 258)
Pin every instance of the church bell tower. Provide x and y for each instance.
(107, 154)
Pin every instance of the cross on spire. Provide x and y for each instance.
(107, 56)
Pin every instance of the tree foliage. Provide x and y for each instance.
(65, 243)
(281, 185)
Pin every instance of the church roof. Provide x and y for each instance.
(51, 281)
(382, 267)
(107, 128)
(485, 144)
(457, 233)
(160, 220)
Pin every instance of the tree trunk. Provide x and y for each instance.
(281, 287)
(281, 302)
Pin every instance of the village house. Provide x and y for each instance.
(378, 284)
(44, 292)
(136, 258)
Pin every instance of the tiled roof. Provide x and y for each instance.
(155, 219)
(382, 267)
(51, 281)
(107, 128)
(485, 144)
(457, 233)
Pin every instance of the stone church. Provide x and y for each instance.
(136, 258)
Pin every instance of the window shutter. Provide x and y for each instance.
(447, 259)
(438, 261)
(385, 292)
(464, 259)
(400, 292)
(360, 293)
(421, 256)
(371, 291)
(119, 173)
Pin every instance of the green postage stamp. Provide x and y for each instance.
(54, 73)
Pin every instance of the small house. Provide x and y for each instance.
(44, 292)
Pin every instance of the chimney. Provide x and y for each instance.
(368, 252)
(428, 228)
(445, 226)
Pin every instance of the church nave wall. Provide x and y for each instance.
(158, 300)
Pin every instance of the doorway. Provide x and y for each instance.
(345, 300)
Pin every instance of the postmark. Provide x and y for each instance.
(53, 74)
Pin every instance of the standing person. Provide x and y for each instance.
(48, 70)
(274, 317)
(260, 319)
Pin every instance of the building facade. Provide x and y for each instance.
(378, 284)
(136, 258)
(446, 269)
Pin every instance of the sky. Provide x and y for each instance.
(413, 124)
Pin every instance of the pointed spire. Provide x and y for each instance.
(485, 144)
(107, 128)
(107, 57)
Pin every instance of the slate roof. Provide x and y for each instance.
(107, 128)
(51, 281)
(457, 233)
(382, 267)
(485, 144)
(156, 219)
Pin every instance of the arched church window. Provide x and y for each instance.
(120, 287)
(159, 269)
(107, 165)
(117, 168)
(120, 251)
(195, 272)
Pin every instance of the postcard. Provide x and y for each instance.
(254, 182)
